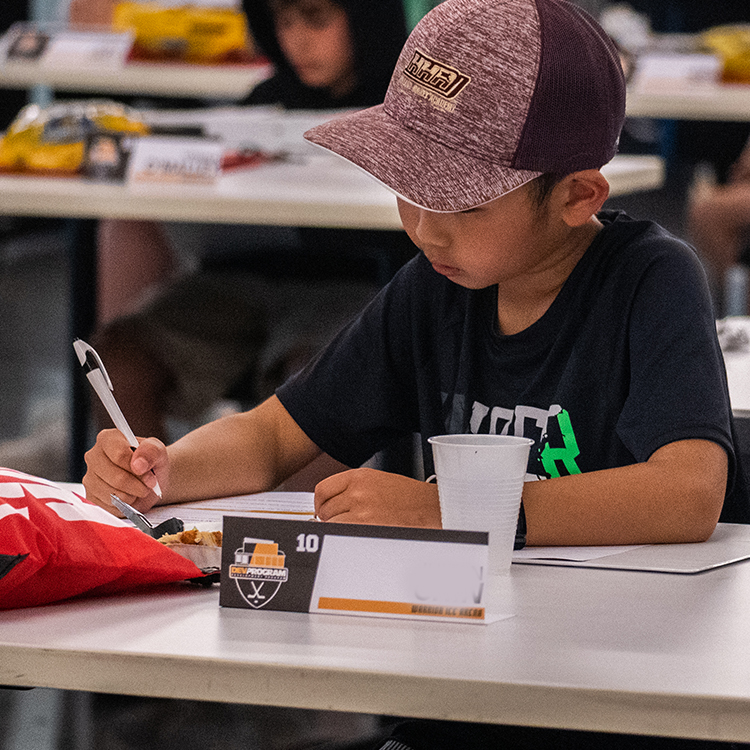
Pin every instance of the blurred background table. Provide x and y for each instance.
(230, 82)
(683, 101)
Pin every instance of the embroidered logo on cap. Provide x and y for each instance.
(435, 81)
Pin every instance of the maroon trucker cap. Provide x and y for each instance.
(487, 95)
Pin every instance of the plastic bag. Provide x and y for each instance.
(732, 44)
(55, 545)
(53, 139)
(185, 33)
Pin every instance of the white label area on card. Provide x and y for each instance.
(335, 568)
(660, 72)
(87, 51)
(169, 160)
(379, 576)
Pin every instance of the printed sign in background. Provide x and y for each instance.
(365, 570)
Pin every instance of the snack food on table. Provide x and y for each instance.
(200, 547)
(187, 33)
(193, 536)
(731, 42)
(53, 139)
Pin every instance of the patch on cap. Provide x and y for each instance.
(433, 80)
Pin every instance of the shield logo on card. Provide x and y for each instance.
(259, 569)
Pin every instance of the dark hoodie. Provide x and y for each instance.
(378, 29)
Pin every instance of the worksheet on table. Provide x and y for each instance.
(297, 506)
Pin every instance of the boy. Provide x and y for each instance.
(527, 312)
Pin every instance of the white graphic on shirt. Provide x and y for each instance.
(552, 455)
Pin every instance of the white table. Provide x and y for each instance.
(324, 191)
(730, 102)
(231, 82)
(312, 188)
(587, 649)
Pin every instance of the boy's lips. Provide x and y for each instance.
(445, 270)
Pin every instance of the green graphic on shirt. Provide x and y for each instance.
(566, 454)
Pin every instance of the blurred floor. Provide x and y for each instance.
(34, 344)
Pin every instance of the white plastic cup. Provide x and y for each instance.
(480, 482)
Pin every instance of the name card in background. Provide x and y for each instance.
(375, 571)
(87, 50)
(170, 160)
(657, 73)
(53, 47)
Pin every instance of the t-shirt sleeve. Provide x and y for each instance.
(678, 384)
(359, 395)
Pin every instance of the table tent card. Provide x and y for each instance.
(377, 571)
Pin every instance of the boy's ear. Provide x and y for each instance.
(583, 194)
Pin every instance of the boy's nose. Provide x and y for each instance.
(432, 228)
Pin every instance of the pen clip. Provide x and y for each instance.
(131, 513)
(90, 360)
(170, 526)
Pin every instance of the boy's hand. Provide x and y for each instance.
(114, 467)
(377, 497)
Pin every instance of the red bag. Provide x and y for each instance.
(55, 545)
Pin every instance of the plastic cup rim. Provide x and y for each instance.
(483, 440)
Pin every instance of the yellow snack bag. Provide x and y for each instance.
(53, 139)
(186, 33)
(731, 43)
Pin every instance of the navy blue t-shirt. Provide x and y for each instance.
(624, 361)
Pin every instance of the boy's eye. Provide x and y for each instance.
(319, 19)
(314, 14)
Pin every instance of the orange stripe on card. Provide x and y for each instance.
(399, 608)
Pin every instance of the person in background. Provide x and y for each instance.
(719, 225)
(176, 342)
(326, 54)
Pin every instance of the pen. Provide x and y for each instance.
(97, 376)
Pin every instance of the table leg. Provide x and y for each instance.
(82, 243)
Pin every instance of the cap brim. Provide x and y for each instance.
(417, 169)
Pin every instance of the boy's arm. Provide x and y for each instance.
(249, 452)
(675, 496)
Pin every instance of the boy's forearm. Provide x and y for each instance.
(676, 496)
(243, 453)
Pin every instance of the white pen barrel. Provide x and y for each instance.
(102, 390)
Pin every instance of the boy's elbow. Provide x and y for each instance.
(698, 530)
(699, 482)
(704, 507)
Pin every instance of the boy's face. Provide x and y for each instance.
(502, 241)
(315, 38)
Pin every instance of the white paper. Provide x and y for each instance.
(573, 554)
(85, 50)
(298, 506)
(734, 337)
(660, 72)
(168, 161)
